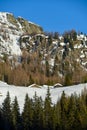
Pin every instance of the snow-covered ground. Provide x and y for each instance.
(20, 92)
(9, 36)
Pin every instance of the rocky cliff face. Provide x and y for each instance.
(53, 57)
(24, 25)
(11, 29)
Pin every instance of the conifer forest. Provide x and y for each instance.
(70, 113)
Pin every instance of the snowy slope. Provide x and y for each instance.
(10, 32)
(20, 92)
(9, 36)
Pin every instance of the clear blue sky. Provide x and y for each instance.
(52, 15)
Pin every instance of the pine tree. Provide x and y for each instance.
(47, 69)
(48, 111)
(73, 35)
(63, 105)
(16, 114)
(31, 81)
(57, 116)
(6, 108)
(37, 112)
(56, 35)
(50, 39)
(71, 112)
(1, 120)
(27, 114)
(81, 115)
(55, 68)
(68, 79)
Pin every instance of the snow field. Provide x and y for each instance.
(20, 92)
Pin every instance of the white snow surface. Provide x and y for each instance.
(62, 44)
(78, 46)
(51, 62)
(81, 37)
(9, 36)
(3, 17)
(20, 92)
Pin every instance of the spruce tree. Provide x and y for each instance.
(71, 112)
(37, 112)
(47, 69)
(55, 68)
(57, 116)
(63, 105)
(1, 120)
(16, 114)
(6, 108)
(80, 115)
(50, 39)
(56, 35)
(27, 114)
(48, 111)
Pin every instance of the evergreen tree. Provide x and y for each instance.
(50, 39)
(27, 114)
(63, 105)
(73, 35)
(16, 114)
(6, 108)
(71, 112)
(66, 36)
(31, 81)
(37, 113)
(71, 45)
(48, 119)
(68, 79)
(47, 69)
(1, 120)
(80, 115)
(56, 116)
(56, 35)
(55, 68)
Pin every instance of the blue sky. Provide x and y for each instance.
(52, 15)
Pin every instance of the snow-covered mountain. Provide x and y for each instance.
(49, 55)
(18, 33)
